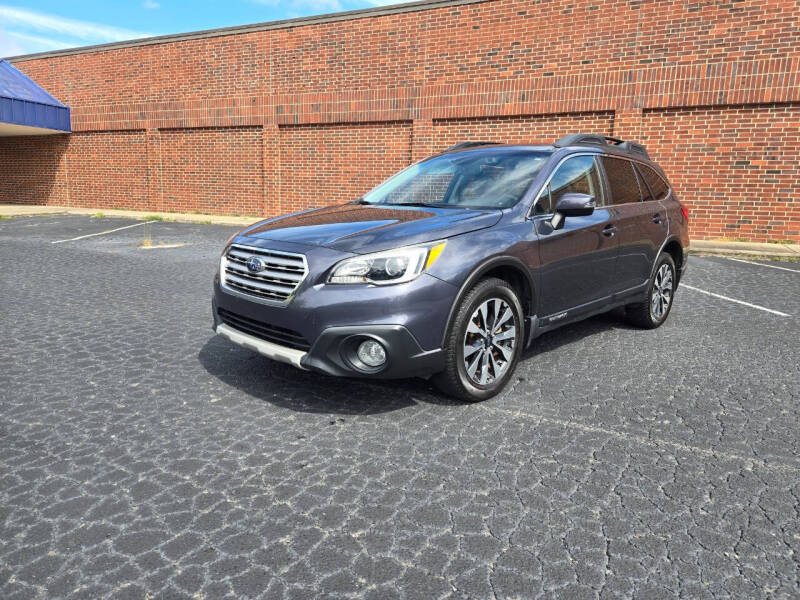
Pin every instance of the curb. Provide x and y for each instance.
(15, 210)
(749, 249)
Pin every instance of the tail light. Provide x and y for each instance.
(685, 212)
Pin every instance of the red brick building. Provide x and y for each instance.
(272, 118)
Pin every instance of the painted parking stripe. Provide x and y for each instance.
(645, 440)
(769, 310)
(80, 237)
(750, 262)
(164, 246)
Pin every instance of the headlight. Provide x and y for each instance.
(382, 268)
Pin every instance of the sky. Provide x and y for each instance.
(27, 27)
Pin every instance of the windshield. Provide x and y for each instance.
(474, 179)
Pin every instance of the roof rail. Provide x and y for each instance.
(577, 139)
(595, 139)
(580, 139)
(465, 145)
(634, 148)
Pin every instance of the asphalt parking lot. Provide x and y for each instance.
(140, 456)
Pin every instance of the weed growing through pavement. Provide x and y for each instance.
(147, 237)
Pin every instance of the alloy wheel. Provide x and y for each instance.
(662, 292)
(489, 341)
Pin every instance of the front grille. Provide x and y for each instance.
(278, 281)
(264, 331)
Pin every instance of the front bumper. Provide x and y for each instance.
(325, 323)
(334, 351)
(263, 347)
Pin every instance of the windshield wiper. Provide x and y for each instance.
(420, 204)
(427, 204)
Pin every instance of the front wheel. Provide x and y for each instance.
(654, 309)
(483, 342)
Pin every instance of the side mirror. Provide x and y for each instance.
(572, 205)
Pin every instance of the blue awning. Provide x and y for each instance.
(25, 108)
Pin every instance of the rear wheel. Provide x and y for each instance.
(483, 343)
(654, 309)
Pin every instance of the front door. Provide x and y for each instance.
(577, 261)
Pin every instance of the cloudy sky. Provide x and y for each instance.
(43, 25)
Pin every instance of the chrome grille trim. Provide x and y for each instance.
(277, 284)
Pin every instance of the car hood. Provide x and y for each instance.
(359, 228)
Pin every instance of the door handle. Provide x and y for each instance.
(610, 230)
(657, 218)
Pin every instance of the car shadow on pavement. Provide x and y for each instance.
(303, 391)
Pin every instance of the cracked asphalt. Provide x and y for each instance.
(142, 457)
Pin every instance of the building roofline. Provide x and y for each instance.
(349, 15)
(53, 101)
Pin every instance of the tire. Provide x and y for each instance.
(654, 309)
(497, 358)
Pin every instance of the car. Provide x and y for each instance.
(452, 267)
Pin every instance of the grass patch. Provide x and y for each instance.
(783, 242)
(731, 239)
(153, 218)
(205, 222)
(4, 217)
(98, 215)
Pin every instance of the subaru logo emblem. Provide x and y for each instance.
(255, 264)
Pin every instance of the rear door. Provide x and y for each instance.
(577, 261)
(641, 222)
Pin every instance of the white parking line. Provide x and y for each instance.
(750, 262)
(769, 310)
(646, 440)
(163, 246)
(80, 237)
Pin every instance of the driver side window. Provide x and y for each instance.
(575, 175)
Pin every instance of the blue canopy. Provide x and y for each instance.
(27, 108)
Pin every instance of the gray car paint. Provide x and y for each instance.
(572, 272)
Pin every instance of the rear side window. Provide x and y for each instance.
(576, 175)
(655, 182)
(622, 179)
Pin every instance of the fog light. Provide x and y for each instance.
(371, 353)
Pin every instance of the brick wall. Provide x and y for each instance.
(107, 169)
(33, 170)
(221, 123)
(738, 168)
(214, 170)
(539, 129)
(364, 153)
